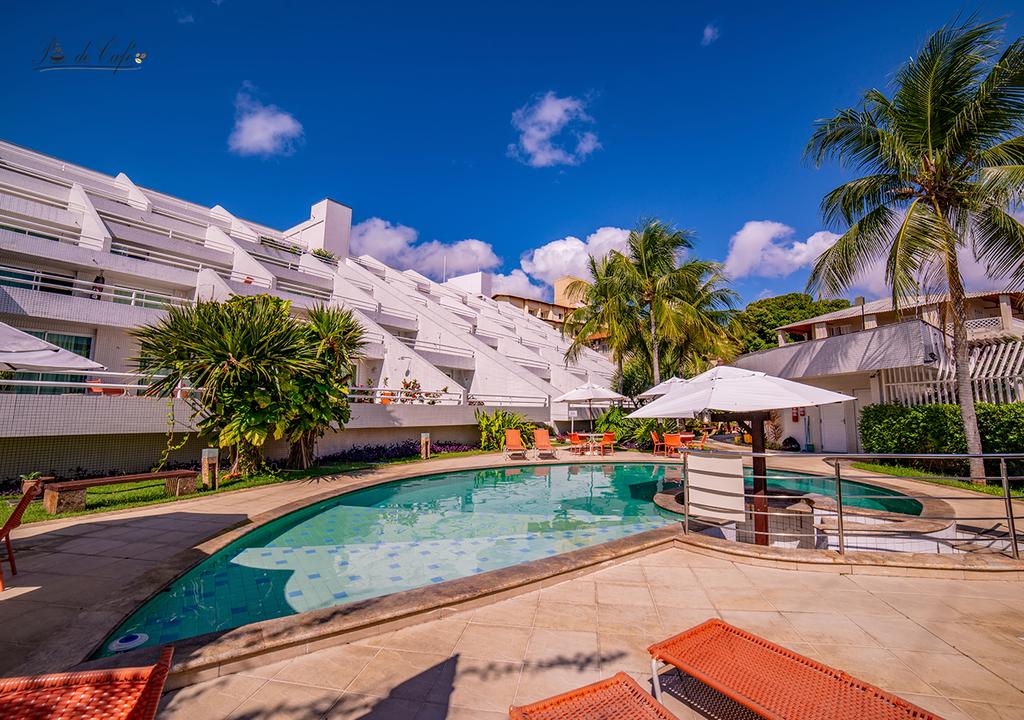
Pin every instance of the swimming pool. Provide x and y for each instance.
(411, 533)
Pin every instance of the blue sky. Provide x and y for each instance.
(514, 125)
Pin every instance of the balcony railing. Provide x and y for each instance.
(403, 396)
(63, 285)
(499, 400)
(241, 277)
(438, 347)
(137, 252)
(93, 382)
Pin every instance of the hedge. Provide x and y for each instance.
(928, 429)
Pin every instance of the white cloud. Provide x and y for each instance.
(517, 283)
(569, 255)
(397, 245)
(262, 129)
(544, 126)
(764, 248)
(184, 18)
(710, 34)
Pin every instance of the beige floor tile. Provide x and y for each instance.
(670, 576)
(516, 611)
(493, 642)
(798, 599)
(332, 667)
(565, 616)
(689, 597)
(675, 620)
(857, 602)
(480, 685)
(575, 591)
(430, 711)
(826, 628)
(211, 699)
(977, 640)
(941, 706)
(922, 608)
(738, 599)
(900, 633)
(402, 674)
(624, 652)
(770, 625)
(553, 648)
(721, 577)
(614, 593)
(629, 618)
(436, 636)
(1010, 670)
(351, 706)
(876, 666)
(539, 683)
(287, 701)
(959, 677)
(624, 573)
(988, 711)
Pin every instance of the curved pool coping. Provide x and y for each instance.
(223, 652)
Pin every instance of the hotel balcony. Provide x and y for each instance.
(62, 297)
(444, 355)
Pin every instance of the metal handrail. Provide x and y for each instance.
(506, 400)
(111, 292)
(431, 346)
(247, 279)
(880, 517)
(404, 396)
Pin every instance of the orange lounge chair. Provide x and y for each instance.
(772, 681)
(12, 522)
(124, 693)
(699, 444)
(514, 444)
(542, 443)
(618, 697)
(673, 444)
(657, 443)
(576, 444)
(608, 443)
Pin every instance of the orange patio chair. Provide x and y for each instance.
(772, 681)
(619, 697)
(12, 522)
(542, 443)
(699, 444)
(124, 693)
(608, 443)
(514, 444)
(673, 444)
(657, 443)
(576, 444)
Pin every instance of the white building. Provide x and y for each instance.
(879, 355)
(84, 257)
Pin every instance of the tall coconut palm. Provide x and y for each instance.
(942, 164)
(649, 274)
(604, 311)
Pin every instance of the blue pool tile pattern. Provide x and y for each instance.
(411, 533)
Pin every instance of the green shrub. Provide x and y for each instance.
(937, 429)
(636, 432)
(493, 427)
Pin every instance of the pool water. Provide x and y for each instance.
(416, 532)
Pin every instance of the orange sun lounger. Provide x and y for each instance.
(775, 683)
(616, 698)
(124, 693)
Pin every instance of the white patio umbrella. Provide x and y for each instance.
(588, 392)
(663, 387)
(21, 351)
(742, 391)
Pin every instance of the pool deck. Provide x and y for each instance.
(80, 576)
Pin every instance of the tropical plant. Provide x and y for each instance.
(942, 163)
(605, 311)
(319, 397)
(324, 254)
(756, 324)
(493, 427)
(260, 373)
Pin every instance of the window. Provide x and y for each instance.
(59, 283)
(78, 344)
(834, 330)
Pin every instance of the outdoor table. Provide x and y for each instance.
(591, 438)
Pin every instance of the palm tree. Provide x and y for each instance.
(321, 394)
(942, 164)
(605, 311)
(242, 355)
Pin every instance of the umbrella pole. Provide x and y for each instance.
(760, 471)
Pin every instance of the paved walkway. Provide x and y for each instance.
(953, 647)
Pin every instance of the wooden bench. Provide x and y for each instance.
(772, 681)
(69, 496)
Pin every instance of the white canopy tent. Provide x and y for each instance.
(21, 351)
(587, 392)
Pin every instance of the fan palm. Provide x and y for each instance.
(942, 163)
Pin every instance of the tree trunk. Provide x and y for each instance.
(618, 362)
(302, 452)
(655, 369)
(249, 459)
(965, 389)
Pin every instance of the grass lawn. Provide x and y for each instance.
(138, 494)
(914, 473)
